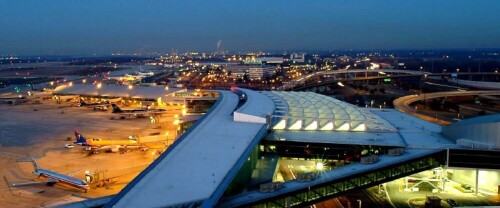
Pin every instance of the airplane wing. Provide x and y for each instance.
(132, 113)
(21, 184)
(73, 173)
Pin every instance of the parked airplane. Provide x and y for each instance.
(80, 140)
(139, 113)
(100, 108)
(119, 145)
(117, 109)
(13, 100)
(108, 145)
(82, 103)
(91, 102)
(54, 177)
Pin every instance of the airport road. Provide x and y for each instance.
(403, 103)
(26, 133)
(400, 198)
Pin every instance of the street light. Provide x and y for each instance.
(425, 77)
(421, 79)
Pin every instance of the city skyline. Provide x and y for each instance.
(95, 27)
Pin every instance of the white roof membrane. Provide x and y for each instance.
(198, 164)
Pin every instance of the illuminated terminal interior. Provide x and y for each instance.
(312, 112)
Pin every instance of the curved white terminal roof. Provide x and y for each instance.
(256, 108)
(314, 112)
(198, 162)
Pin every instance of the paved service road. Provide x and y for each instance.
(403, 103)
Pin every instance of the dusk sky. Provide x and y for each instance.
(103, 27)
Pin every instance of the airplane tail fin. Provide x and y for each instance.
(79, 138)
(35, 164)
(82, 103)
(116, 109)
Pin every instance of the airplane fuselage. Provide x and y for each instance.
(111, 142)
(75, 182)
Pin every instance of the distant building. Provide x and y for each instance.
(344, 58)
(237, 71)
(264, 60)
(261, 72)
(297, 58)
(271, 60)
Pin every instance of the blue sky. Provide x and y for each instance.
(102, 27)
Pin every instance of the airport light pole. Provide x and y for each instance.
(443, 76)
(359, 202)
(99, 85)
(425, 103)
(421, 78)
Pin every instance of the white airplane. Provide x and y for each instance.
(54, 177)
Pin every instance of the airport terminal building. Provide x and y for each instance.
(231, 157)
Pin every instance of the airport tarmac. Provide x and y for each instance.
(41, 131)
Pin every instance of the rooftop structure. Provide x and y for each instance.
(478, 133)
(140, 92)
(153, 93)
(204, 163)
(201, 159)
